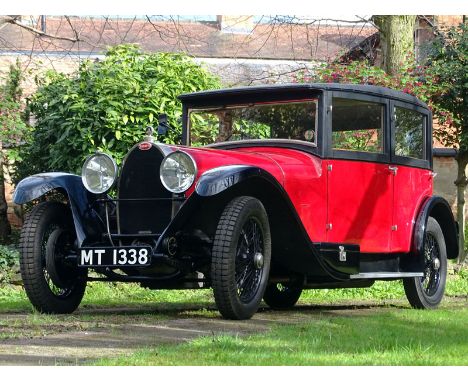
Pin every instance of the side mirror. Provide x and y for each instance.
(163, 126)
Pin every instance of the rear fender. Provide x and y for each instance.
(438, 208)
(86, 220)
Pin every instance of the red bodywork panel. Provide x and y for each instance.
(412, 187)
(360, 204)
(338, 201)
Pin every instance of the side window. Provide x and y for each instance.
(357, 125)
(409, 137)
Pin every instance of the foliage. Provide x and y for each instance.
(8, 256)
(448, 62)
(12, 126)
(9, 262)
(107, 106)
(12, 132)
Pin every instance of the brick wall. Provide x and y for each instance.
(36, 66)
(449, 20)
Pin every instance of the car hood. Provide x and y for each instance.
(286, 165)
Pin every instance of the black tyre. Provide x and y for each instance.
(241, 258)
(427, 291)
(52, 282)
(282, 295)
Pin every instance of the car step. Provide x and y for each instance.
(386, 275)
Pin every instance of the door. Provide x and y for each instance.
(360, 180)
(360, 204)
(411, 153)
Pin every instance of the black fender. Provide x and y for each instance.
(219, 179)
(439, 209)
(294, 249)
(86, 220)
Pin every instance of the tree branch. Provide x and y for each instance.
(14, 21)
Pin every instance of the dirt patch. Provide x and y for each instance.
(92, 333)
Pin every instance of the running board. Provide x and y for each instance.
(386, 275)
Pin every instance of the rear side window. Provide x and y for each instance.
(409, 133)
(357, 125)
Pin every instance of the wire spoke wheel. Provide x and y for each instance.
(60, 277)
(53, 283)
(427, 291)
(249, 260)
(431, 279)
(241, 258)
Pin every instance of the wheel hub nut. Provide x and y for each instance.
(436, 264)
(258, 260)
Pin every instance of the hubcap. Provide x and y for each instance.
(258, 260)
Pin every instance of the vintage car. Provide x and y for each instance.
(275, 189)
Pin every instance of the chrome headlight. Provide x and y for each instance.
(99, 173)
(178, 171)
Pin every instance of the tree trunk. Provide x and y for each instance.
(5, 228)
(461, 182)
(396, 40)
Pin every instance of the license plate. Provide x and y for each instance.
(115, 257)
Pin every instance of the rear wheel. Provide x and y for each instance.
(427, 291)
(241, 258)
(282, 295)
(52, 282)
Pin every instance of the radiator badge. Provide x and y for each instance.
(144, 146)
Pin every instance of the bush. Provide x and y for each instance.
(107, 106)
(9, 263)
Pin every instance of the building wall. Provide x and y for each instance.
(446, 169)
(237, 72)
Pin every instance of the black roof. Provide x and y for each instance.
(249, 93)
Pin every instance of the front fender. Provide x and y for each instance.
(439, 209)
(219, 179)
(85, 218)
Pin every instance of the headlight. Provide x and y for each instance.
(178, 172)
(98, 173)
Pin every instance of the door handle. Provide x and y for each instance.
(393, 169)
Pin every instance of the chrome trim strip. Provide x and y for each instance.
(386, 275)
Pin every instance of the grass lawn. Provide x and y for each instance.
(386, 335)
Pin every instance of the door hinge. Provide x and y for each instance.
(394, 227)
(342, 253)
(329, 167)
(329, 226)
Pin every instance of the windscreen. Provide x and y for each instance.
(286, 120)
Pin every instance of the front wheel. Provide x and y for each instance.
(426, 292)
(53, 283)
(241, 258)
